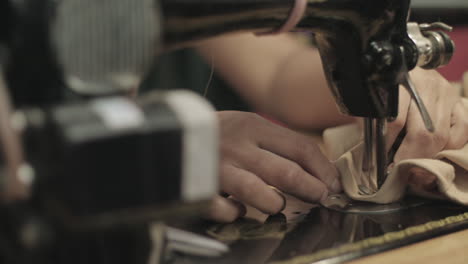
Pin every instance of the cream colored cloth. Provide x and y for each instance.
(450, 167)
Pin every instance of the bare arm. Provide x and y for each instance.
(269, 73)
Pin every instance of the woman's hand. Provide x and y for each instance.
(448, 113)
(257, 154)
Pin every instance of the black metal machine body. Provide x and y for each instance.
(83, 169)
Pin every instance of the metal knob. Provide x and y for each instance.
(433, 45)
(443, 49)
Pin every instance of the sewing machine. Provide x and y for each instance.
(367, 49)
(61, 155)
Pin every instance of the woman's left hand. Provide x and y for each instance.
(449, 116)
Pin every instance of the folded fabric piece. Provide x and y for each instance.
(450, 168)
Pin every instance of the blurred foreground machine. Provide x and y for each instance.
(84, 177)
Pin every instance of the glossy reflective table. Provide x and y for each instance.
(313, 234)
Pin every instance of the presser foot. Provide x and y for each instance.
(342, 203)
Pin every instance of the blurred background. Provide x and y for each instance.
(454, 13)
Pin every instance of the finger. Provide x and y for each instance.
(225, 210)
(250, 189)
(419, 142)
(440, 98)
(302, 151)
(287, 176)
(459, 130)
(395, 127)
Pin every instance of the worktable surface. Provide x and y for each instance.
(436, 232)
(448, 249)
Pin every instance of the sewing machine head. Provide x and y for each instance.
(368, 47)
(367, 51)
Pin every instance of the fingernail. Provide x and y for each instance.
(242, 210)
(277, 218)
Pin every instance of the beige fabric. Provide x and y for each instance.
(345, 145)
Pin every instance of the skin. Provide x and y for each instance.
(277, 75)
(283, 77)
(449, 115)
(261, 154)
(450, 118)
